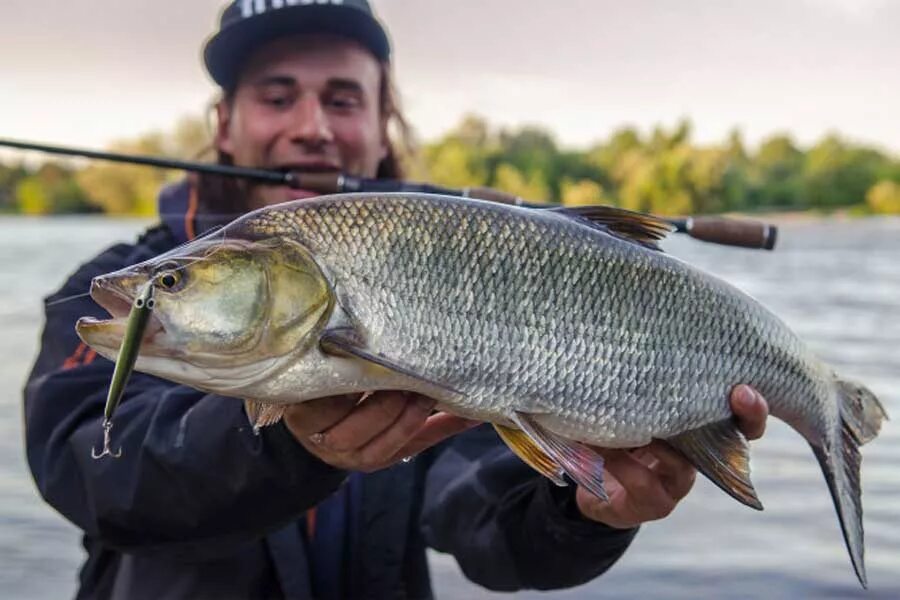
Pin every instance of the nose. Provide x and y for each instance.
(310, 124)
(98, 283)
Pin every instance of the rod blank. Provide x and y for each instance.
(718, 230)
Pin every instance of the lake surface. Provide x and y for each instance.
(837, 284)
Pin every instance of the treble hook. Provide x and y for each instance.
(138, 318)
(107, 426)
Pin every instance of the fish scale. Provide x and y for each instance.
(560, 327)
(427, 278)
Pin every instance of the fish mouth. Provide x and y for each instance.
(106, 335)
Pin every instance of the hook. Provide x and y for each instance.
(107, 426)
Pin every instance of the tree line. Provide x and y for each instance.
(662, 171)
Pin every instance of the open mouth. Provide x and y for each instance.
(106, 335)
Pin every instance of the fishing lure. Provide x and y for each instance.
(138, 318)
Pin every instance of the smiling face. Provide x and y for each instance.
(305, 103)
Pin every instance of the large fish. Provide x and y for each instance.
(562, 327)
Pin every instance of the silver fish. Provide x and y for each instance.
(563, 327)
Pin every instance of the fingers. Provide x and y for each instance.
(751, 411)
(647, 483)
(437, 428)
(676, 474)
(646, 496)
(306, 418)
(384, 449)
(370, 418)
(377, 432)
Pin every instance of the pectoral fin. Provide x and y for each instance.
(262, 415)
(525, 448)
(580, 463)
(345, 342)
(720, 452)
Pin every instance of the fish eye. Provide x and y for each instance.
(168, 279)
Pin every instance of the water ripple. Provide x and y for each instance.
(837, 284)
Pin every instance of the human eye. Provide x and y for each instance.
(276, 97)
(343, 101)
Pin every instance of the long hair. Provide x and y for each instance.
(227, 196)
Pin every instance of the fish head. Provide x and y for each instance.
(226, 311)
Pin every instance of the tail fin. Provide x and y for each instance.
(860, 420)
(861, 411)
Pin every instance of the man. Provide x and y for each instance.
(320, 505)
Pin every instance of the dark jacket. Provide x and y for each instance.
(198, 506)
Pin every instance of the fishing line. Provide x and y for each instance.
(191, 260)
(195, 259)
(67, 298)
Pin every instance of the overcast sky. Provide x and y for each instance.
(86, 72)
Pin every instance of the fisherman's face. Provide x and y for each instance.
(305, 103)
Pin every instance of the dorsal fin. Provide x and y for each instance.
(642, 228)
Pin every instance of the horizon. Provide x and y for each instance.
(805, 68)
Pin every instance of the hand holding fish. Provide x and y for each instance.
(373, 434)
(565, 328)
(648, 483)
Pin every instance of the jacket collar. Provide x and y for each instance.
(177, 205)
(179, 210)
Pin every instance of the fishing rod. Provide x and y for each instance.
(718, 230)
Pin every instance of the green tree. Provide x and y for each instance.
(190, 138)
(126, 189)
(837, 174)
(132, 189)
(607, 156)
(462, 157)
(583, 192)
(533, 152)
(532, 186)
(31, 197)
(9, 181)
(662, 140)
(62, 191)
(884, 197)
(454, 164)
(777, 176)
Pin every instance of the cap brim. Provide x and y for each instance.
(226, 51)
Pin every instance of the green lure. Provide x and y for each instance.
(128, 353)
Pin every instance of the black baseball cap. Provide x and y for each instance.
(246, 24)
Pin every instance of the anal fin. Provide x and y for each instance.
(721, 453)
(262, 415)
(579, 462)
(252, 408)
(525, 448)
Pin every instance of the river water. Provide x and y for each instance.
(836, 283)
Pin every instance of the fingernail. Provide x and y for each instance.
(317, 438)
(746, 396)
